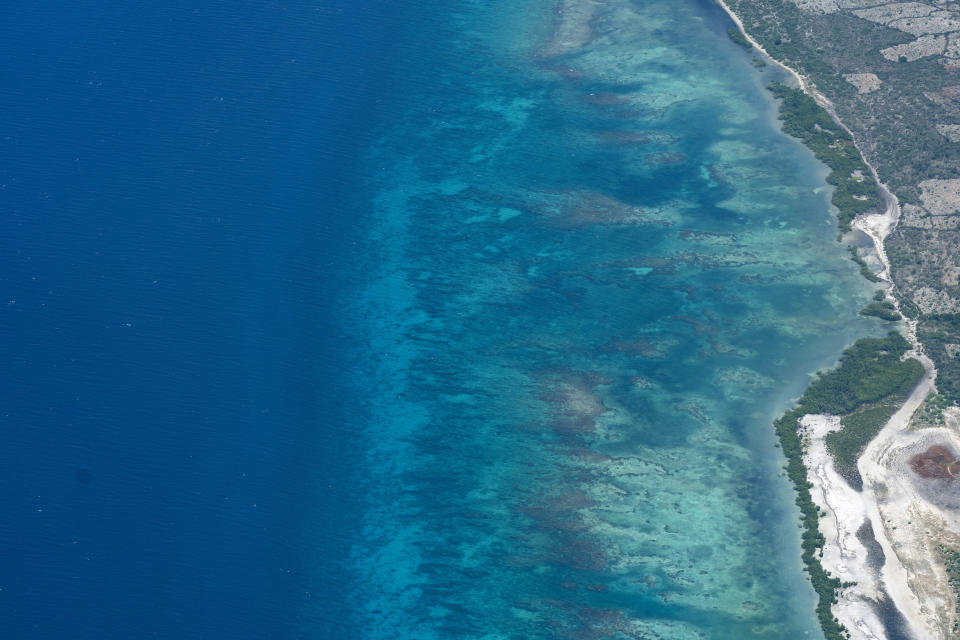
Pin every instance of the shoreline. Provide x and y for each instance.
(843, 553)
(893, 205)
(876, 469)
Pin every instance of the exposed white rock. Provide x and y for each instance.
(864, 82)
(887, 13)
(941, 197)
(843, 555)
(932, 301)
(937, 22)
(913, 216)
(919, 48)
(950, 131)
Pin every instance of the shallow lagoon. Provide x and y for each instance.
(597, 274)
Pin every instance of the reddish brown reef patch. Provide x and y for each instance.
(935, 462)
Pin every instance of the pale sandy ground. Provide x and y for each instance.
(864, 82)
(901, 518)
(844, 555)
(906, 525)
(891, 503)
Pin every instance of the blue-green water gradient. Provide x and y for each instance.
(597, 271)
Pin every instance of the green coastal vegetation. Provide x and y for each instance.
(855, 190)
(940, 334)
(868, 379)
(951, 560)
(907, 307)
(871, 381)
(738, 38)
(865, 269)
(931, 412)
(938, 330)
(903, 112)
(883, 309)
(868, 372)
(857, 430)
(811, 540)
(898, 122)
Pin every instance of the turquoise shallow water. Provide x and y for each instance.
(596, 274)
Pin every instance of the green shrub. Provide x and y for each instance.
(865, 270)
(803, 118)
(884, 310)
(738, 38)
(857, 430)
(938, 332)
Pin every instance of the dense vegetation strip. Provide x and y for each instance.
(865, 269)
(951, 560)
(898, 123)
(940, 335)
(907, 307)
(903, 141)
(868, 372)
(737, 36)
(855, 190)
(884, 310)
(857, 430)
(811, 539)
(881, 308)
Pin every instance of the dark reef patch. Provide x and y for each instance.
(875, 556)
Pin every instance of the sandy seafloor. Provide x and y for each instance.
(597, 272)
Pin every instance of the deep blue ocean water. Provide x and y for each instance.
(384, 320)
(177, 187)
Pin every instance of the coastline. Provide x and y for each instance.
(893, 205)
(845, 552)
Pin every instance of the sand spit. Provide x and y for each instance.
(890, 505)
(909, 516)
